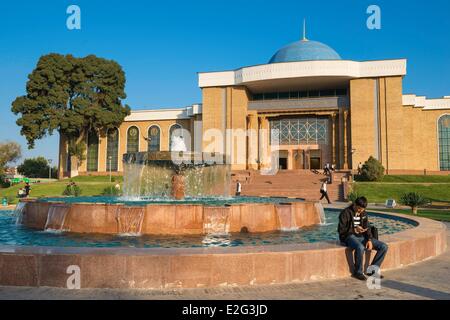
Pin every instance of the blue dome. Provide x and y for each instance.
(305, 50)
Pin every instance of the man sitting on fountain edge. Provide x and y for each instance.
(354, 231)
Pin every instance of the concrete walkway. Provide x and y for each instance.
(425, 280)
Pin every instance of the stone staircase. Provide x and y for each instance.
(290, 183)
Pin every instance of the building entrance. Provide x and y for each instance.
(315, 159)
(282, 163)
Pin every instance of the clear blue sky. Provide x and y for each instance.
(161, 45)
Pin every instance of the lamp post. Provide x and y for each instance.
(49, 169)
(110, 159)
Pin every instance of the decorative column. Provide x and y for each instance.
(252, 141)
(333, 142)
(263, 141)
(345, 140)
(290, 162)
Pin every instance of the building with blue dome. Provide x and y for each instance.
(304, 108)
(305, 50)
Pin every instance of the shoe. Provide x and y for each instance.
(372, 273)
(359, 276)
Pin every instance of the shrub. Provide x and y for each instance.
(4, 183)
(111, 191)
(413, 200)
(372, 170)
(72, 190)
(353, 195)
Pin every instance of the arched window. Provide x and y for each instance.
(133, 139)
(175, 131)
(444, 142)
(112, 150)
(154, 138)
(92, 151)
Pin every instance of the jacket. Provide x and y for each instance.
(346, 226)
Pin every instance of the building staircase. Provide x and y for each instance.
(303, 184)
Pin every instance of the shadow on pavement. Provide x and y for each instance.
(420, 291)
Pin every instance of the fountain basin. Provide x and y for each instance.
(169, 218)
(167, 268)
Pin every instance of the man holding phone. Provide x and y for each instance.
(354, 232)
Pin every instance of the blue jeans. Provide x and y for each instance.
(359, 245)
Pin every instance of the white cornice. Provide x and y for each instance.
(426, 104)
(302, 69)
(165, 114)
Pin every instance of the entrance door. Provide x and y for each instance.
(315, 159)
(282, 163)
(298, 160)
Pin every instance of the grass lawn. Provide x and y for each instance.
(379, 192)
(418, 179)
(442, 215)
(90, 186)
(413, 179)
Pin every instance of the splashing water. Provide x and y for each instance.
(18, 212)
(130, 220)
(319, 208)
(56, 217)
(216, 221)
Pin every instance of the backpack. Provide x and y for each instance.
(374, 232)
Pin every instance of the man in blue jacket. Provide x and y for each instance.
(354, 231)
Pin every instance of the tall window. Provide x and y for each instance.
(154, 138)
(444, 142)
(112, 150)
(175, 131)
(92, 151)
(133, 139)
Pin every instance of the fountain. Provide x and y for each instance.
(176, 226)
(175, 192)
(176, 174)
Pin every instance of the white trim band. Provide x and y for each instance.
(164, 114)
(301, 69)
(426, 104)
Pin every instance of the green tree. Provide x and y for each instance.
(36, 168)
(372, 170)
(9, 152)
(71, 96)
(413, 200)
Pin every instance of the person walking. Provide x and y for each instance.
(238, 188)
(326, 169)
(360, 165)
(324, 192)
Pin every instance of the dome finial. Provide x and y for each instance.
(304, 30)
